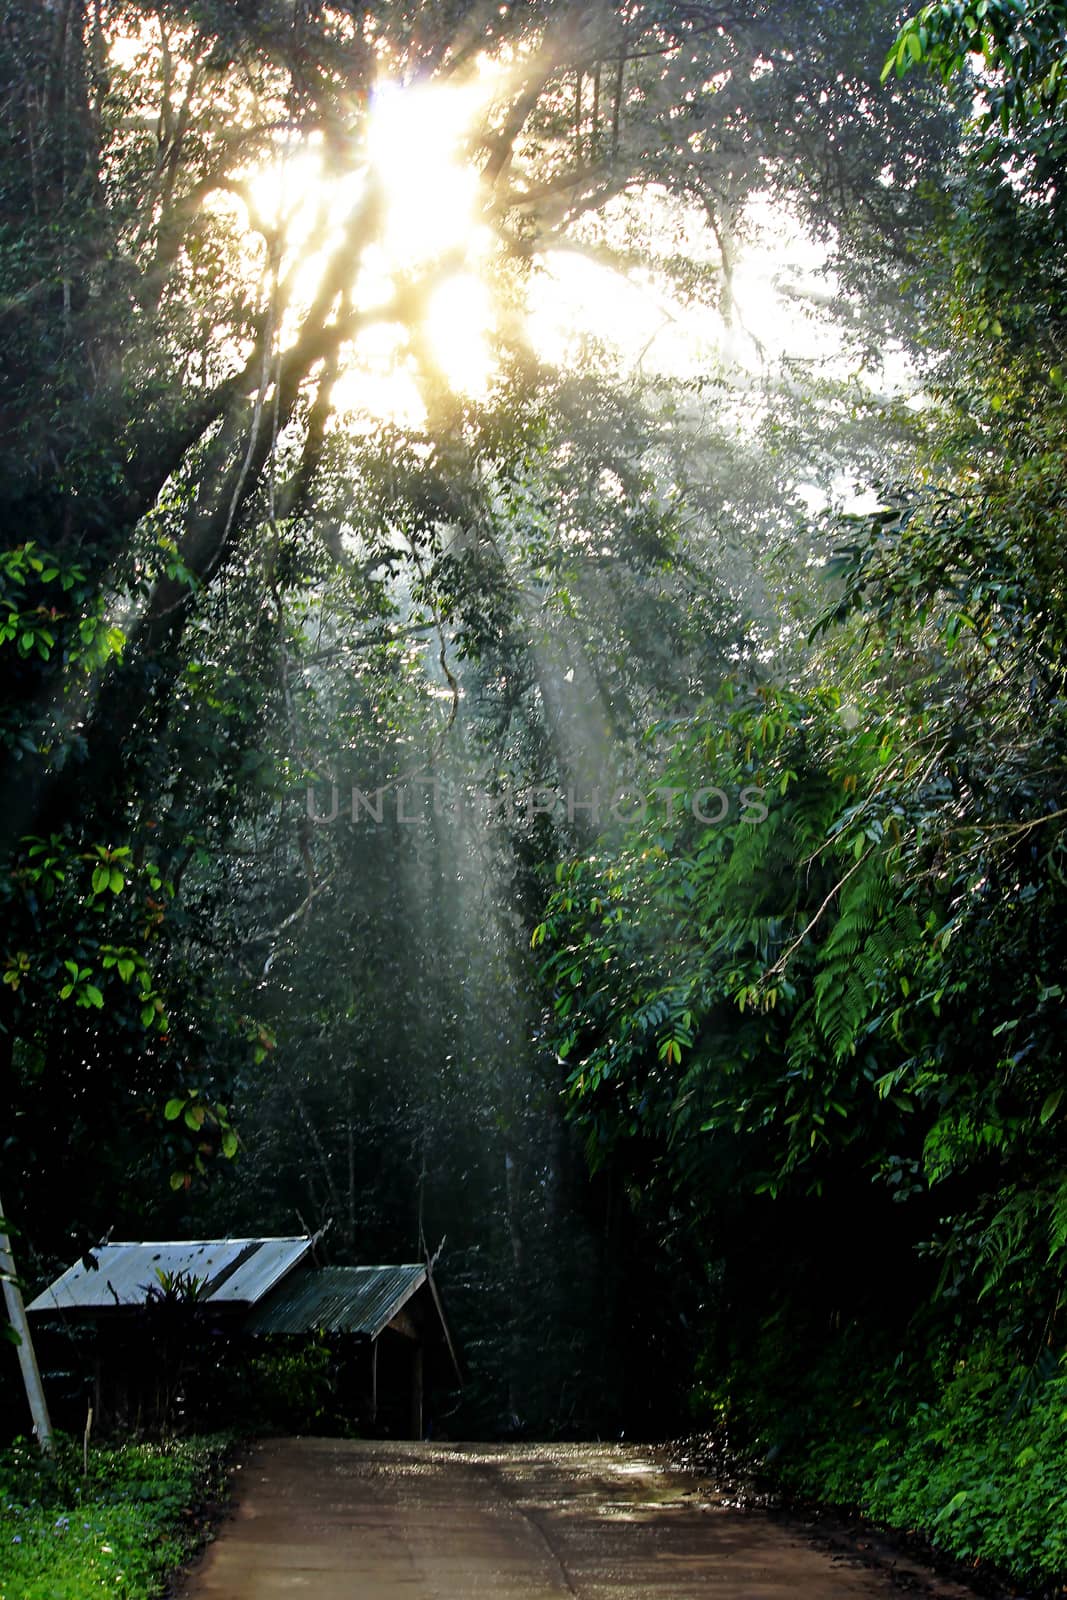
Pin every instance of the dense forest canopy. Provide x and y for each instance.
(511, 735)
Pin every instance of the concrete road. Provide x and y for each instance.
(344, 1520)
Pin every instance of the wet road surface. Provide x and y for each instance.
(360, 1520)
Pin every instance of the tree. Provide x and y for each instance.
(206, 553)
(857, 995)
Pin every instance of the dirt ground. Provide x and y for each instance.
(354, 1520)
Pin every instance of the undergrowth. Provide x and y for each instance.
(969, 1453)
(116, 1530)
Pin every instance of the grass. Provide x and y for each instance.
(116, 1531)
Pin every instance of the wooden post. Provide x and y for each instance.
(16, 1311)
(416, 1392)
(374, 1381)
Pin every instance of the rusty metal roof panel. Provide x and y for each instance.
(232, 1271)
(360, 1300)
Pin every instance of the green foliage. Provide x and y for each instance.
(120, 1529)
(75, 623)
(201, 1118)
(855, 1006)
(291, 1385)
(735, 995)
(1022, 45)
(967, 1448)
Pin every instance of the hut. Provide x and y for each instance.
(389, 1318)
(169, 1323)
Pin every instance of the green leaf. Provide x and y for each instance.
(229, 1144)
(177, 1181)
(1050, 1107)
(173, 1109)
(116, 881)
(953, 1505)
(101, 879)
(93, 996)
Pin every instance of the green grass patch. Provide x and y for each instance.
(117, 1530)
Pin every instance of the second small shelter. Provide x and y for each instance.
(393, 1314)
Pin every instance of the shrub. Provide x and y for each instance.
(116, 1530)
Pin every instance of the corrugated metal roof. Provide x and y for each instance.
(234, 1272)
(338, 1300)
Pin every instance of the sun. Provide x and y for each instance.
(435, 254)
(432, 248)
(432, 232)
(415, 145)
